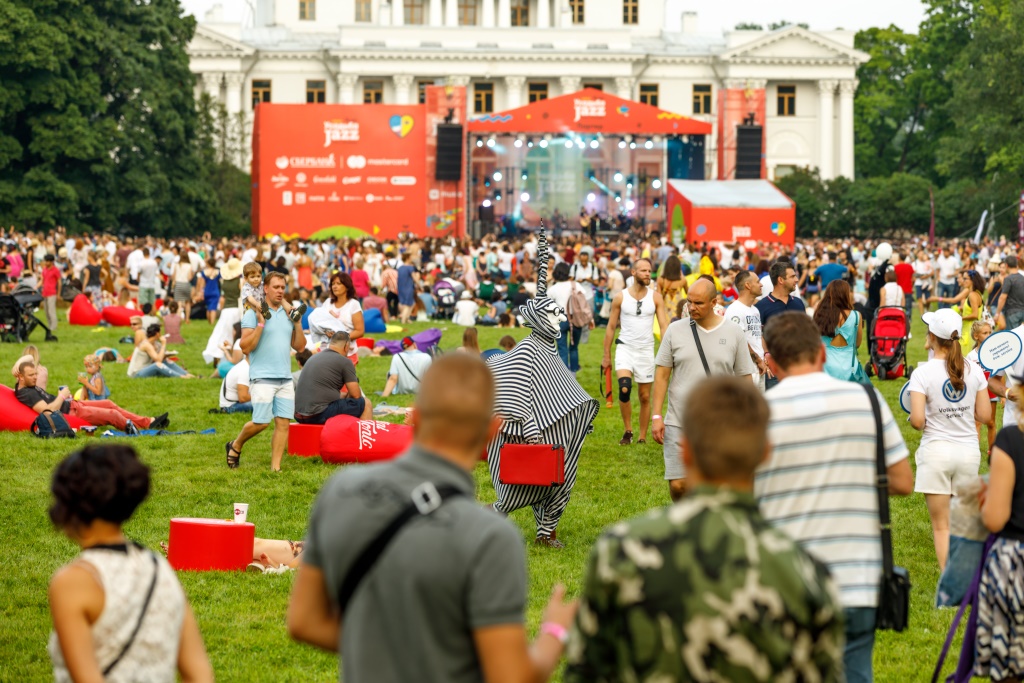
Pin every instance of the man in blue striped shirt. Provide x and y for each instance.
(818, 487)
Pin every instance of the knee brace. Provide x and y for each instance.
(625, 389)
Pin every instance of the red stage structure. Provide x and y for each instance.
(588, 151)
(730, 211)
(325, 171)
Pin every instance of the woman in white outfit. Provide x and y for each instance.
(947, 396)
(119, 613)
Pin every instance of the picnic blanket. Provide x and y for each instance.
(156, 432)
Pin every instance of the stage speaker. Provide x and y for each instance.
(449, 152)
(749, 146)
(487, 214)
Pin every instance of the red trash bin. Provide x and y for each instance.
(196, 544)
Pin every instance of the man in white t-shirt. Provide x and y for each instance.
(466, 310)
(818, 486)
(745, 314)
(947, 264)
(584, 272)
(407, 367)
(234, 390)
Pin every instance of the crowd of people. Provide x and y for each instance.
(765, 567)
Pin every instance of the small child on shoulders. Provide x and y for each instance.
(253, 296)
(172, 324)
(92, 380)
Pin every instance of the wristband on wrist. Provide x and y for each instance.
(259, 325)
(556, 631)
(655, 417)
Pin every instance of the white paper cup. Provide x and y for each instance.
(241, 511)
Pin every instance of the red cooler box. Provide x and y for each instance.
(210, 544)
(532, 464)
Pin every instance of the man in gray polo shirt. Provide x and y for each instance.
(725, 348)
(444, 602)
(1011, 298)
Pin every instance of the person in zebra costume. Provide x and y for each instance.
(540, 402)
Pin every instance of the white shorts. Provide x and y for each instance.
(639, 362)
(272, 398)
(942, 467)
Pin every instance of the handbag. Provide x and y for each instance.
(532, 464)
(893, 610)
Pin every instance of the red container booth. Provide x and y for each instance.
(730, 211)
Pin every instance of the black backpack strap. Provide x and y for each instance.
(142, 615)
(882, 483)
(399, 356)
(700, 349)
(426, 498)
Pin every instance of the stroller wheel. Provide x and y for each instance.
(870, 369)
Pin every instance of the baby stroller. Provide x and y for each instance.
(17, 315)
(888, 346)
(447, 292)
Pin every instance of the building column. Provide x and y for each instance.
(451, 13)
(514, 91)
(504, 13)
(384, 13)
(403, 85)
(211, 85)
(847, 89)
(235, 82)
(543, 13)
(435, 16)
(397, 12)
(624, 87)
(570, 84)
(488, 13)
(346, 88)
(827, 141)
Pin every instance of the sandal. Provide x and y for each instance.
(233, 460)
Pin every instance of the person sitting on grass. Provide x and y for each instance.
(97, 413)
(150, 358)
(407, 367)
(115, 588)
(172, 323)
(235, 396)
(92, 380)
(505, 344)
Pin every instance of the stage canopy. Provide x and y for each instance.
(588, 111)
(730, 211)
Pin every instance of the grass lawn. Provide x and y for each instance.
(242, 615)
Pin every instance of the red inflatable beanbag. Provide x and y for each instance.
(347, 439)
(82, 312)
(119, 316)
(16, 417)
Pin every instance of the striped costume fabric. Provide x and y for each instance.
(540, 402)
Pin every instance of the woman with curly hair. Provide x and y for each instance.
(119, 613)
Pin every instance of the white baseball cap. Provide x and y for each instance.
(943, 322)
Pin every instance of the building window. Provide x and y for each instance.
(373, 91)
(576, 6)
(630, 12)
(538, 91)
(787, 100)
(364, 10)
(316, 92)
(414, 12)
(467, 12)
(594, 86)
(483, 98)
(702, 98)
(307, 10)
(260, 92)
(421, 90)
(649, 94)
(520, 12)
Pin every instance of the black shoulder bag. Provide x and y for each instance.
(426, 498)
(894, 590)
(399, 356)
(138, 624)
(700, 349)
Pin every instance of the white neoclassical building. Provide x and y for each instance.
(511, 52)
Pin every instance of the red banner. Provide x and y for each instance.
(325, 171)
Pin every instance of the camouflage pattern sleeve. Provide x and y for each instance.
(704, 590)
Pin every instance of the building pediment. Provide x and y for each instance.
(208, 43)
(793, 45)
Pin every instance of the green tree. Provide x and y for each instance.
(748, 26)
(97, 117)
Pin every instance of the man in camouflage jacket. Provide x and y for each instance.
(707, 590)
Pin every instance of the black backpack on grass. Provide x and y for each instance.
(51, 425)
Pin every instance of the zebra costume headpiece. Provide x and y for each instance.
(542, 314)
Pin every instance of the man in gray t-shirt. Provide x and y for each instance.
(725, 348)
(444, 601)
(325, 374)
(1011, 296)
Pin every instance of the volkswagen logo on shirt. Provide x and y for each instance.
(950, 393)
